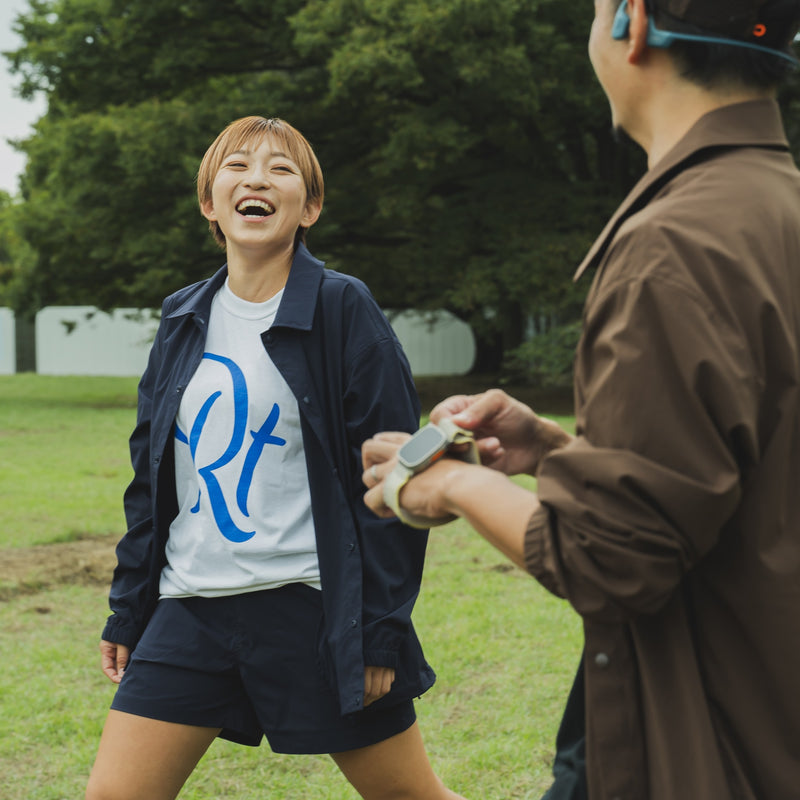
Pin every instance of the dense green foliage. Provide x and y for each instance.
(466, 146)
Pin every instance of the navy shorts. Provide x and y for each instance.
(250, 665)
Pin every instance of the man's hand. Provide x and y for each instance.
(511, 437)
(377, 683)
(114, 659)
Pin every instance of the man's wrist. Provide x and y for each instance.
(493, 504)
(456, 486)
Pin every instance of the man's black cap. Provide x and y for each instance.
(770, 23)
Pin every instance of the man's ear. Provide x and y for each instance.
(207, 210)
(637, 33)
(311, 214)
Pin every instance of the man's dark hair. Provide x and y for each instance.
(721, 65)
(717, 66)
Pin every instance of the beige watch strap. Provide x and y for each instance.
(458, 435)
(394, 482)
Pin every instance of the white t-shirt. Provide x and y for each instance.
(244, 521)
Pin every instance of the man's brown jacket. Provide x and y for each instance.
(672, 523)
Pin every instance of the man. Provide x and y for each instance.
(671, 521)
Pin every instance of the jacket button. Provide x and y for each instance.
(351, 546)
(602, 660)
(156, 459)
(307, 400)
(353, 623)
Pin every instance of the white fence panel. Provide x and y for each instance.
(80, 340)
(435, 342)
(8, 342)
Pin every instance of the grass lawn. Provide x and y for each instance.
(504, 650)
(63, 456)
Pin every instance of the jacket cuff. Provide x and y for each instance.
(381, 658)
(540, 559)
(118, 632)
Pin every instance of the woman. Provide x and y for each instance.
(254, 593)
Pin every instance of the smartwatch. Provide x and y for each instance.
(425, 447)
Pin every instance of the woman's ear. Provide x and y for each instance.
(311, 214)
(207, 210)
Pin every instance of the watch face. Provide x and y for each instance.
(422, 447)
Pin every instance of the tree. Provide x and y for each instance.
(16, 256)
(465, 143)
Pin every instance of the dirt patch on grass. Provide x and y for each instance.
(86, 562)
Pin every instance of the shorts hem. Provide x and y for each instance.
(362, 732)
(138, 709)
(361, 729)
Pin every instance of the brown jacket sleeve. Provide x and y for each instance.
(647, 486)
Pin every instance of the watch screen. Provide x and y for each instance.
(423, 444)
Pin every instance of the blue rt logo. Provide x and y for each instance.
(262, 437)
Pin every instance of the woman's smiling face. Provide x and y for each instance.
(259, 199)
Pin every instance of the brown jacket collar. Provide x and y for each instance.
(756, 123)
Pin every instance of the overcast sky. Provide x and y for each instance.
(16, 115)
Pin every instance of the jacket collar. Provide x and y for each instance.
(299, 297)
(755, 123)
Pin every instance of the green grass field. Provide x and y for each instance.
(504, 650)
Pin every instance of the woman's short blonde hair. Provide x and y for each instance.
(248, 129)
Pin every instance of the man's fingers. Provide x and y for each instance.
(472, 411)
(484, 408)
(451, 406)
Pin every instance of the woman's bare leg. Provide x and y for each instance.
(145, 758)
(394, 769)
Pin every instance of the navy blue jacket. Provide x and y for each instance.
(345, 366)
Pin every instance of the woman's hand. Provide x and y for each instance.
(377, 683)
(424, 496)
(114, 660)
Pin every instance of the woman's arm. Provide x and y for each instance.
(129, 587)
